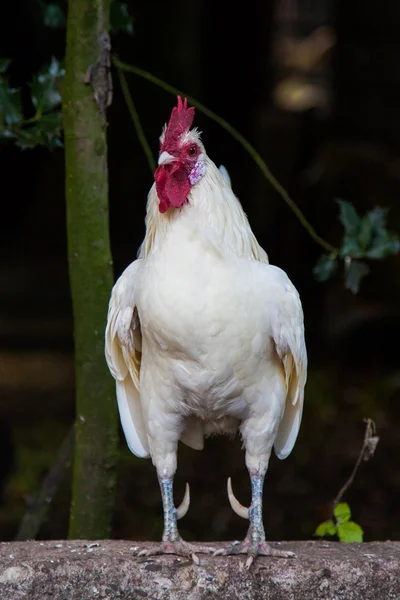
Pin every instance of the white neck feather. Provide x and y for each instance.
(212, 203)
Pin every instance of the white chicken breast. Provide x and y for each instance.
(203, 335)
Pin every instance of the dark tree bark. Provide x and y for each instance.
(90, 265)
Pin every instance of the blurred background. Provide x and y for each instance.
(314, 85)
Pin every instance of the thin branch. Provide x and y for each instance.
(367, 449)
(36, 513)
(136, 121)
(239, 138)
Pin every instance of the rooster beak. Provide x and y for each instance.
(166, 158)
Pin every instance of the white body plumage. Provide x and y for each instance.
(203, 335)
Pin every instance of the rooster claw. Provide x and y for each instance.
(253, 549)
(178, 547)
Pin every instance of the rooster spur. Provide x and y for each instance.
(203, 335)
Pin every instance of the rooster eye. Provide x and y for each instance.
(192, 150)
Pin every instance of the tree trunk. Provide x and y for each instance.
(90, 269)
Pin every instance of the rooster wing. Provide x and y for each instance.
(123, 354)
(288, 335)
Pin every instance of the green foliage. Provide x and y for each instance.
(45, 127)
(355, 270)
(10, 105)
(45, 94)
(120, 19)
(350, 532)
(325, 267)
(364, 238)
(345, 529)
(342, 513)
(53, 16)
(4, 64)
(46, 132)
(326, 528)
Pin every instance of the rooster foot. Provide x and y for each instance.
(253, 548)
(180, 548)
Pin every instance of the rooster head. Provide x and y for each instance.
(181, 161)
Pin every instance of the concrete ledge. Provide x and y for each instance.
(107, 570)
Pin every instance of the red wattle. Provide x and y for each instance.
(172, 184)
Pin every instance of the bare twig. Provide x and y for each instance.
(136, 121)
(36, 513)
(366, 452)
(239, 138)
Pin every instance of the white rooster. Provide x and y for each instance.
(203, 335)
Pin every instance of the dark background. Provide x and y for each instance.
(336, 136)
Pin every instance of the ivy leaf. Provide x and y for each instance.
(350, 532)
(4, 64)
(349, 218)
(10, 104)
(377, 217)
(365, 236)
(325, 267)
(120, 19)
(7, 134)
(342, 512)
(45, 95)
(351, 247)
(46, 132)
(355, 271)
(385, 244)
(51, 126)
(53, 16)
(326, 528)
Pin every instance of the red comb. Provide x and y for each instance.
(180, 121)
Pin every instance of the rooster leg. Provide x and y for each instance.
(171, 533)
(172, 543)
(254, 543)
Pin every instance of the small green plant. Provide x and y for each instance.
(345, 529)
(340, 524)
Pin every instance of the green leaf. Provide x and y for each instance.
(342, 512)
(10, 104)
(120, 18)
(384, 243)
(325, 528)
(365, 236)
(377, 217)
(355, 271)
(350, 532)
(4, 64)
(46, 132)
(53, 16)
(388, 247)
(325, 267)
(349, 217)
(7, 134)
(45, 95)
(351, 247)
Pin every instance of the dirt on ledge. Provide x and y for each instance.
(108, 570)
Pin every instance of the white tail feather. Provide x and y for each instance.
(131, 416)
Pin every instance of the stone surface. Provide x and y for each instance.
(104, 570)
